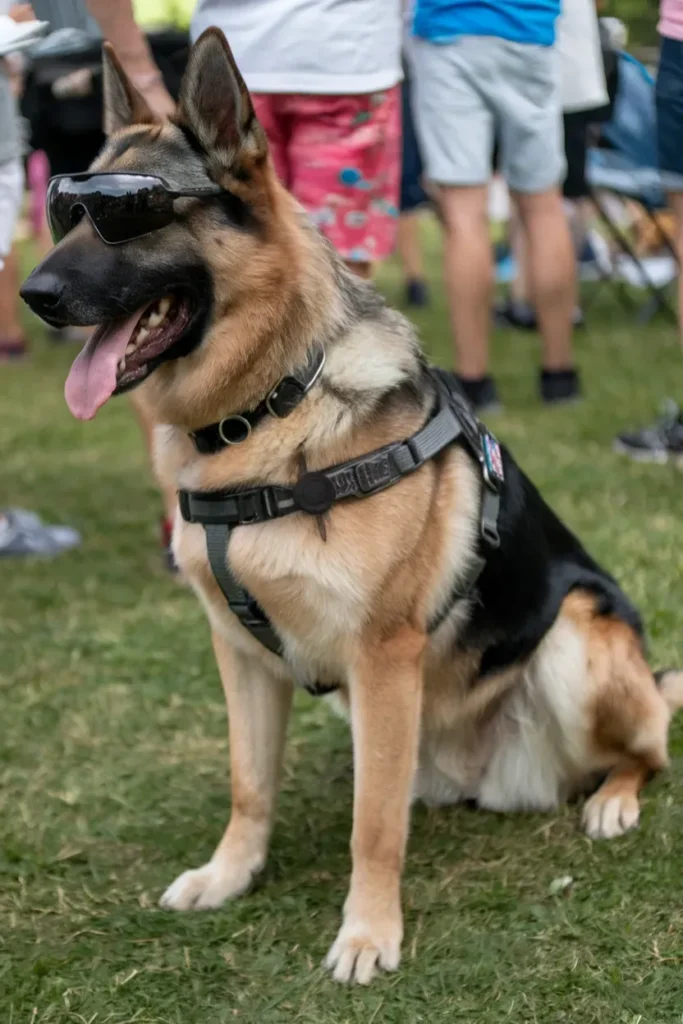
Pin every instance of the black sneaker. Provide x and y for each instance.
(522, 315)
(661, 442)
(481, 392)
(417, 292)
(513, 313)
(559, 386)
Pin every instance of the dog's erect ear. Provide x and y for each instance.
(216, 106)
(123, 104)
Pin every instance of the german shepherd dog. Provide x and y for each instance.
(533, 689)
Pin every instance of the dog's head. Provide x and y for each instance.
(156, 297)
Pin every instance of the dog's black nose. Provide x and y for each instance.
(43, 292)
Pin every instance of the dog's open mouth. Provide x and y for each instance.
(121, 353)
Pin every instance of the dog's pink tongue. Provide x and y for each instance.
(92, 377)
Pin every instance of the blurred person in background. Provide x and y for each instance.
(21, 533)
(478, 66)
(67, 130)
(663, 441)
(12, 341)
(324, 76)
(413, 200)
(64, 105)
(584, 102)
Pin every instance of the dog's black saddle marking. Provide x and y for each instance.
(451, 421)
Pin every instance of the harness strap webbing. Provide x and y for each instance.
(241, 603)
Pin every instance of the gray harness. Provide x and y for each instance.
(452, 421)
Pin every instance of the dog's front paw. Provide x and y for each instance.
(363, 946)
(208, 887)
(608, 815)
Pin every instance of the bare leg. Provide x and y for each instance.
(469, 274)
(258, 711)
(552, 273)
(385, 717)
(10, 325)
(519, 286)
(409, 247)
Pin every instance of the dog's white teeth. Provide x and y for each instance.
(130, 347)
(164, 305)
(122, 364)
(141, 335)
(155, 319)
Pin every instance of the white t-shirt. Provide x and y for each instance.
(582, 72)
(334, 47)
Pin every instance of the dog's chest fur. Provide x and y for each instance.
(316, 592)
(373, 561)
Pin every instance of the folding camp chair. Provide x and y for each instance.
(625, 165)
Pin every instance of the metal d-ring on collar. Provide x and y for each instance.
(236, 419)
(279, 403)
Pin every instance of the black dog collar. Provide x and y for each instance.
(279, 403)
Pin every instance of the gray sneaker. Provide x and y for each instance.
(24, 533)
(661, 442)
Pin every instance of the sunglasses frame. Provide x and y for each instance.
(172, 193)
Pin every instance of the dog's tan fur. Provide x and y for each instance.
(354, 609)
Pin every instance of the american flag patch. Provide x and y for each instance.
(494, 458)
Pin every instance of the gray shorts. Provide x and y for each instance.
(478, 89)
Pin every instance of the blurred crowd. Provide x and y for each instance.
(376, 111)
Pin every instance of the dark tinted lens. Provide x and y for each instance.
(121, 214)
(63, 208)
(120, 206)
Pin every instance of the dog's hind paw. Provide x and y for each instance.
(608, 815)
(207, 887)
(360, 949)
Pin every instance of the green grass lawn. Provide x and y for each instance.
(113, 758)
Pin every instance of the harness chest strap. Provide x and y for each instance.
(316, 492)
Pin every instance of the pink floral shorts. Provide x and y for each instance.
(340, 156)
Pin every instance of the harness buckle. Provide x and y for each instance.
(269, 502)
(247, 507)
(489, 533)
(490, 507)
(415, 452)
(185, 506)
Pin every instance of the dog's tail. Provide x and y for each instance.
(670, 684)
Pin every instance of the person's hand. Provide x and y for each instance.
(151, 87)
(22, 12)
(13, 68)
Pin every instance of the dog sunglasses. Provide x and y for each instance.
(120, 206)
